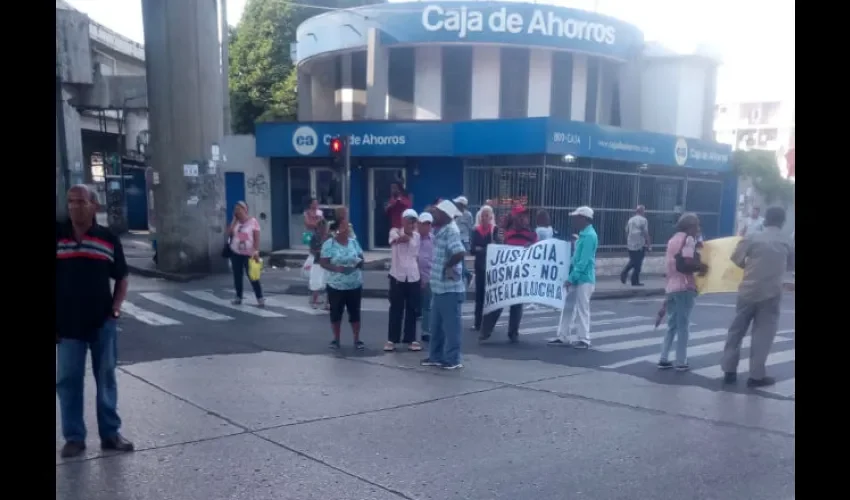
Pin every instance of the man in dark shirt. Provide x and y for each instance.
(87, 257)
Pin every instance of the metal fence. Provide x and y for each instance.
(612, 189)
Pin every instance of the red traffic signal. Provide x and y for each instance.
(336, 146)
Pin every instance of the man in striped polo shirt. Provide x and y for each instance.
(88, 256)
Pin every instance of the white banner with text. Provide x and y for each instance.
(530, 275)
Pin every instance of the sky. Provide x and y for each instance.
(755, 38)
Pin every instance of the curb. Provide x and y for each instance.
(156, 273)
(378, 293)
(295, 263)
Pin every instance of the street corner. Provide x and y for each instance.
(152, 418)
(494, 438)
(270, 389)
(243, 466)
(676, 398)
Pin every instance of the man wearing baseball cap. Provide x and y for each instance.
(580, 282)
(426, 256)
(404, 283)
(447, 289)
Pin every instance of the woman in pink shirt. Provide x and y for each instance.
(404, 283)
(244, 245)
(682, 262)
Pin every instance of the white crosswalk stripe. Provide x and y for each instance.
(181, 306)
(146, 316)
(212, 299)
(693, 351)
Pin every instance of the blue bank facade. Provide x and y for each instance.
(545, 163)
(502, 101)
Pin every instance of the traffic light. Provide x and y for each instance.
(336, 147)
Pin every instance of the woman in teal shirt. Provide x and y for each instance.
(342, 258)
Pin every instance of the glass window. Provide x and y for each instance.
(457, 83)
(562, 84)
(513, 82)
(400, 85)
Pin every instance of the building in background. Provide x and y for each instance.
(515, 102)
(764, 124)
(102, 117)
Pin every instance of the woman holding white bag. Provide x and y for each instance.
(316, 275)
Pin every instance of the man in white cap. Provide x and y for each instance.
(465, 222)
(404, 283)
(426, 257)
(447, 290)
(580, 282)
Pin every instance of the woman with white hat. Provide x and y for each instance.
(404, 283)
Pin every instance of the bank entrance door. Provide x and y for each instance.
(322, 183)
(380, 179)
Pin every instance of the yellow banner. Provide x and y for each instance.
(723, 276)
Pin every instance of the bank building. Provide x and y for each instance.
(526, 103)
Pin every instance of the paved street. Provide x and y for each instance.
(256, 400)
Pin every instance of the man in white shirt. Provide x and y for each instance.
(637, 242)
(753, 224)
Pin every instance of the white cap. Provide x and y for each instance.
(448, 208)
(461, 200)
(584, 212)
(425, 218)
(409, 213)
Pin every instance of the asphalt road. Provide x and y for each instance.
(165, 320)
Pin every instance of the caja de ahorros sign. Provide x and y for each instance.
(465, 20)
(530, 275)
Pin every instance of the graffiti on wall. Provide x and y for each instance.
(258, 186)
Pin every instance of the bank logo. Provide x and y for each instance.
(305, 140)
(681, 152)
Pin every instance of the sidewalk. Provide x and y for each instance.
(281, 426)
(376, 285)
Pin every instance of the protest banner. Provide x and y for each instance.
(723, 275)
(530, 275)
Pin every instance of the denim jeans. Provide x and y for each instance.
(239, 266)
(679, 307)
(70, 384)
(425, 308)
(446, 328)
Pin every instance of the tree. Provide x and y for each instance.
(263, 80)
(761, 168)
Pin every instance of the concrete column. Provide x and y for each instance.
(486, 81)
(185, 104)
(539, 83)
(346, 91)
(377, 67)
(578, 99)
(428, 83)
(305, 96)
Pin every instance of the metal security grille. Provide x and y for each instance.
(612, 189)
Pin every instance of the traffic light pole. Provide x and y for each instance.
(346, 165)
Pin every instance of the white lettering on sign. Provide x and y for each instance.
(464, 21)
(371, 140)
(531, 275)
(560, 137)
(190, 170)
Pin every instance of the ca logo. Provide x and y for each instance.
(681, 152)
(305, 140)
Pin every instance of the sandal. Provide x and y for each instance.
(414, 346)
(236, 302)
(261, 303)
(389, 347)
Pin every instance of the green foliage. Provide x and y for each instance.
(761, 168)
(263, 80)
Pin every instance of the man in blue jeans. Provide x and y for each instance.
(87, 257)
(447, 290)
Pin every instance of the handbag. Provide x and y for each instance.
(684, 267)
(226, 252)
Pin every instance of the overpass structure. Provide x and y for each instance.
(101, 101)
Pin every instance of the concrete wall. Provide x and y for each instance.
(240, 154)
(674, 96)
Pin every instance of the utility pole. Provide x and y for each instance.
(225, 64)
(185, 116)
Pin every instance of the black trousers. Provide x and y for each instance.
(480, 288)
(634, 265)
(492, 318)
(404, 301)
(239, 266)
(345, 300)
